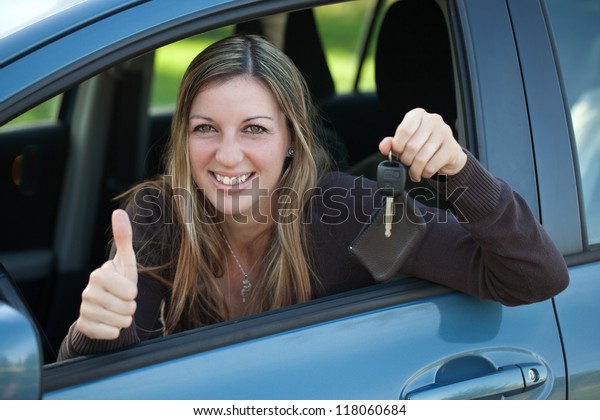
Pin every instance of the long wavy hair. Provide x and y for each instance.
(198, 246)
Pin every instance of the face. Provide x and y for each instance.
(238, 140)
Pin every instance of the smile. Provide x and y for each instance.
(226, 180)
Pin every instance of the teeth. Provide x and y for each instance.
(233, 180)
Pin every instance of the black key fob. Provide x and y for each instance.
(391, 178)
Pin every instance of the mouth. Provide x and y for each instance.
(230, 181)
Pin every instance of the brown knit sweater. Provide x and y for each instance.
(491, 247)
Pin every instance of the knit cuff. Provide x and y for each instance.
(473, 192)
(81, 344)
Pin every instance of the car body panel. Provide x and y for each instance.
(576, 308)
(556, 180)
(52, 21)
(500, 115)
(321, 360)
(578, 313)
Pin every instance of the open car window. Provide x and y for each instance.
(132, 103)
(577, 39)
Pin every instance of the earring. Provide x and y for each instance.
(291, 152)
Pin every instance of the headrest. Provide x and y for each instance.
(303, 46)
(413, 61)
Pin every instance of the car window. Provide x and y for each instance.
(577, 36)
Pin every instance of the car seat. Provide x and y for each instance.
(413, 62)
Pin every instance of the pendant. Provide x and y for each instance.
(246, 286)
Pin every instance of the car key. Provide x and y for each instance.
(391, 180)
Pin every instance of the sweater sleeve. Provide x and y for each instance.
(152, 248)
(491, 247)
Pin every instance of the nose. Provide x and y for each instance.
(229, 153)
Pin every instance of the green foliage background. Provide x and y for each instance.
(340, 26)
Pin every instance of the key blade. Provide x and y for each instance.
(388, 216)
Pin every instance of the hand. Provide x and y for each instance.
(108, 301)
(425, 144)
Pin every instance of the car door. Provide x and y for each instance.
(405, 339)
(562, 84)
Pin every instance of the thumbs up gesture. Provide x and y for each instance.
(108, 301)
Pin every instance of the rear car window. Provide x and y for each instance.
(577, 36)
(45, 112)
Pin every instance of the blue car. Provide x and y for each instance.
(86, 98)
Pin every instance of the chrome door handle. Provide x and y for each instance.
(509, 379)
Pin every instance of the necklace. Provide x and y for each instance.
(246, 285)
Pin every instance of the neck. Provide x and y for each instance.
(247, 239)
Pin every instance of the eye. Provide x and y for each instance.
(204, 128)
(255, 129)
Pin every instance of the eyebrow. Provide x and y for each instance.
(202, 117)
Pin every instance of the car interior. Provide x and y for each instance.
(61, 177)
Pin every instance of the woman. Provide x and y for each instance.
(247, 217)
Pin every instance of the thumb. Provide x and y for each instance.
(385, 145)
(125, 256)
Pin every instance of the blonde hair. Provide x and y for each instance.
(286, 273)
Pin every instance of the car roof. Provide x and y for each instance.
(26, 14)
(29, 25)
